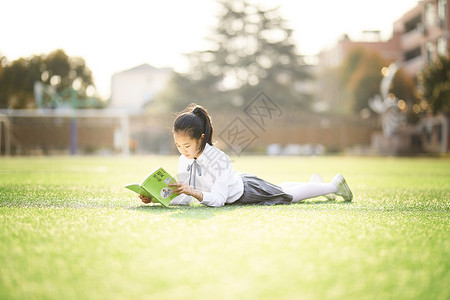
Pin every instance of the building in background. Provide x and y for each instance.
(425, 34)
(370, 40)
(134, 88)
(418, 37)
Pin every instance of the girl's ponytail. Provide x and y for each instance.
(208, 128)
(195, 121)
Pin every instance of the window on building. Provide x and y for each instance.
(430, 51)
(442, 46)
(411, 54)
(430, 15)
(441, 8)
(413, 23)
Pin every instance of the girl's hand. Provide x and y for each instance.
(146, 200)
(183, 188)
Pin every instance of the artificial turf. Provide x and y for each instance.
(69, 230)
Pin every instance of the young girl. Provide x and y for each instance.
(206, 173)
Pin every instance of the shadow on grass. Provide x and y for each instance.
(322, 202)
(154, 208)
(204, 212)
(188, 212)
(181, 211)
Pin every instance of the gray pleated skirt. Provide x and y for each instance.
(260, 192)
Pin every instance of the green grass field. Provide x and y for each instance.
(69, 230)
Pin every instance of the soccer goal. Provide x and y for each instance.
(64, 131)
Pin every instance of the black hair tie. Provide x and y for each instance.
(195, 110)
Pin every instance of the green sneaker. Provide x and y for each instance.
(343, 189)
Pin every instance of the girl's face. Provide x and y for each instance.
(186, 145)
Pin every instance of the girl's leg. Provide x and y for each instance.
(308, 190)
(318, 179)
(301, 190)
(292, 184)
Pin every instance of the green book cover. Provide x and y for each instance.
(156, 186)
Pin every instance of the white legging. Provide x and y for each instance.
(306, 190)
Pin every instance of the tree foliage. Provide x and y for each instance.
(57, 69)
(252, 49)
(435, 86)
(360, 75)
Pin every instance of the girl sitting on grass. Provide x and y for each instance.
(206, 173)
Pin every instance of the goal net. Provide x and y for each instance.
(64, 131)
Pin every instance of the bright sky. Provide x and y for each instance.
(116, 35)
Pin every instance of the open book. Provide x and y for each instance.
(156, 186)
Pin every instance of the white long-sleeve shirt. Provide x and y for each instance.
(211, 173)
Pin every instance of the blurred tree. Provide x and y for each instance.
(435, 86)
(332, 97)
(17, 81)
(361, 75)
(3, 63)
(404, 88)
(359, 80)
(252, 49)
(56, 69)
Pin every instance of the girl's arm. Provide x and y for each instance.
(183, 188)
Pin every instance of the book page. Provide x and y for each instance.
(137, 189)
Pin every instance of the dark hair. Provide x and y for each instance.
(195, 121)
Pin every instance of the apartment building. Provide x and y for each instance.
(418, 37)
(424, 34)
